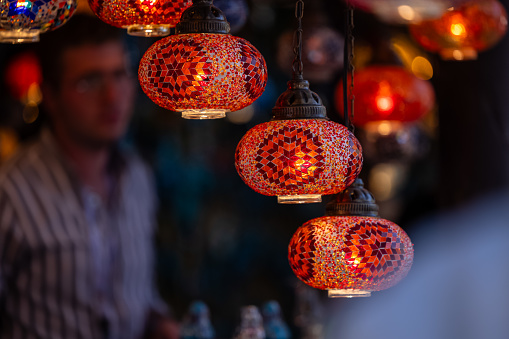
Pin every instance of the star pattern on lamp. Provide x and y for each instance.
(180, 70)
(373, 251)
(302, 251)
(290, 158)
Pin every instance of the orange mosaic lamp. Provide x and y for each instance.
(464, 31)
(351, 251)
(388, 94)
(149, 18)
(299, 155)
(203, 71)
(23, 21)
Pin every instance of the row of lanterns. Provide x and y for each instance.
(300, 155)
(456, 29)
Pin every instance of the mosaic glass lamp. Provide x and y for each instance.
(388, 93)
(464, 31)
(203, 71)
(299, 155)
(23, 21)
(351, 251)
(149, 18)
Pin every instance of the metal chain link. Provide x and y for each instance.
(297, 41)
(351, 67)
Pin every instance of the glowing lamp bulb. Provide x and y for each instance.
(458, 29)
(384, 104)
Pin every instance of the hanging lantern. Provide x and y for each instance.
(464, 31)
(388, 94)
(149, 18)
(351, 251)
(23, 21)
(299, 155)
(203, 71)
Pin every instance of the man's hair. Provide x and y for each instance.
(79, 31)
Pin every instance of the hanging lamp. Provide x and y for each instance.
(388, 93)
(300, 154)
(203, 71)
(23, 21)
(463, 31)
(149, 18)
(351, 251)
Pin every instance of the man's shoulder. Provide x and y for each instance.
(28, 158)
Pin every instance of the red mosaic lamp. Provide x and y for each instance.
(388, 93)
(203, 71)
(148, 18)
(464, 31)
(23, 21)
(300, 154)
(351, 251)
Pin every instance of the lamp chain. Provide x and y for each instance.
(297, 42)
(349, 68)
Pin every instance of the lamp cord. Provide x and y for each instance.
(349, 68)
(297, 65)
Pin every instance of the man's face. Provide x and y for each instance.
(94, 102)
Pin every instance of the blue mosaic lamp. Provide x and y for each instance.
(23, 20)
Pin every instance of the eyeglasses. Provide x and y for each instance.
(96, 82)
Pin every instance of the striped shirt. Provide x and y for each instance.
(55, 256)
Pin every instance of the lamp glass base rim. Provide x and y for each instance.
(459, 54)
(349, 293)
(299, 199)
(204, 114)
(148, 30)
(19, 36)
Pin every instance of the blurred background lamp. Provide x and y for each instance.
(388, 93)
(463, 31)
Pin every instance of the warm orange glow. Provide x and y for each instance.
(463, 31)
(458, 29)
(422, 68)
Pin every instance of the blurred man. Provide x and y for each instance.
(78, 214)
